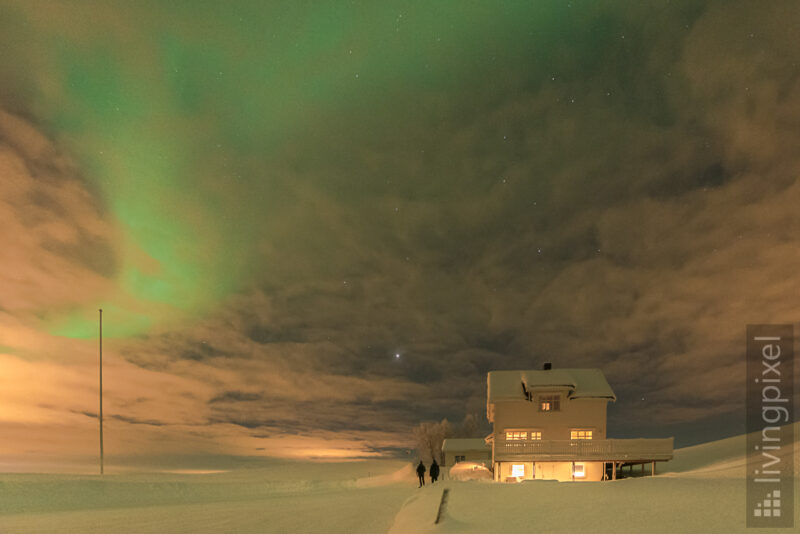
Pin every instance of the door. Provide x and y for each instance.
(545, 470)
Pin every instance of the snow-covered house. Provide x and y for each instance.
(551, 424)
(457, 450)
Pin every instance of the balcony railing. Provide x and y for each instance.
(585, 449)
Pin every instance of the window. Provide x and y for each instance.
(518, 470)
(523, 435)
(579, 470)
(580, 434)
(460, 458)
(549, 403)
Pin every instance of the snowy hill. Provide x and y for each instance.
(722, 458)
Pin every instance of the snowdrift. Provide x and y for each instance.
(470, 471)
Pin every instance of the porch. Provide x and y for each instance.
(620, 451)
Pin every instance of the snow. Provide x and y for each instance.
(281, 496)
(642, 505)
(470, 471)
(584, 383)
(701, 490)
(721, 459)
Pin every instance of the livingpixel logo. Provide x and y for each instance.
(770, 506)
(770, 433)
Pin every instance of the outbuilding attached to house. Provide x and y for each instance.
(457, 450)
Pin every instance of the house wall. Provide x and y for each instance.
(481, 456)
(563, 471)
(554, 425)
(576, 413)
(548, 471)
(504, 471)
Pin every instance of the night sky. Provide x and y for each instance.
(312, 225)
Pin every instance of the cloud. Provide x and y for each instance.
(619, 193)
(235, 396)
(56, 240)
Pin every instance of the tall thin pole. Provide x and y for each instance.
(101, 391)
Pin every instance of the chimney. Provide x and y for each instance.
(547, 366)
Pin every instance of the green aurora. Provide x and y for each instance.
(185, 118)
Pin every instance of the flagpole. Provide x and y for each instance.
(101, 391)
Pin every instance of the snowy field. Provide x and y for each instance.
(357, 497)
(702, 491)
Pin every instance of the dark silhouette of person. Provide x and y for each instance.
(434, 472)
(421, 473)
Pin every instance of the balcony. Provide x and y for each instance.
(628, 450)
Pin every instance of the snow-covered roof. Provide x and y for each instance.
(464, 444)
(581, 383)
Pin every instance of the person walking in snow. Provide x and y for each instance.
(434, 472)
(421, 473)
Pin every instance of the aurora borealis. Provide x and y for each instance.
(270, 201)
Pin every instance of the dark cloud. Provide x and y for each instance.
(135, 421)
(202, 351)
(235, 396)
(264, 335)
(94, 253)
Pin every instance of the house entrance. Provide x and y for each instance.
(545, 470)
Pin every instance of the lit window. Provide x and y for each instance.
(579, 471)
(549, 403)
(536, 434)
(516, 435)
(518, 470)
(580, 434)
